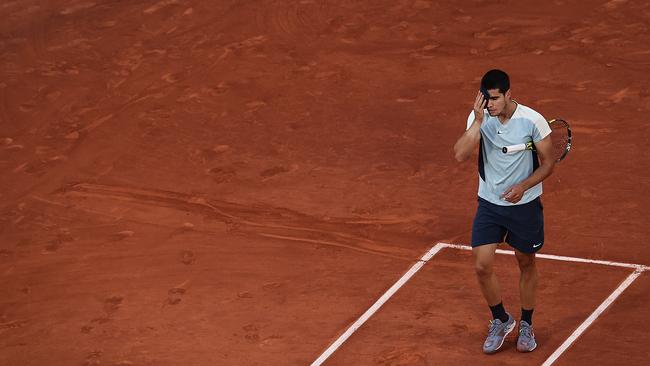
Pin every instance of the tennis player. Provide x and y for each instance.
(509, 206)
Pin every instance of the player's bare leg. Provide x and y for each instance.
(487, 280)
(503, 323)
(528, 290)
(528, 278)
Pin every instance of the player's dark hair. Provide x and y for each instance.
(496, 79)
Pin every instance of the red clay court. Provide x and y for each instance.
(246, 182)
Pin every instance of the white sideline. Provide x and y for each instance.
(387, 295)
(638, 269)
(605, 304)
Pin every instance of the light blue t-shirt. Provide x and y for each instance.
(499, 171)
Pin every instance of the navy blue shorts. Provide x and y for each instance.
(521, 226)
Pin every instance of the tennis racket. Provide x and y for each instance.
(560, 134)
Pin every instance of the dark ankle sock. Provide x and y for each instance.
(499, 312)
(527, 315)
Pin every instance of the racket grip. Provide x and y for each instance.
(513, 148)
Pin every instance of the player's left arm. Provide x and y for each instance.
(544, 149)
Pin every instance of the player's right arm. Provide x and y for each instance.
(466, 144)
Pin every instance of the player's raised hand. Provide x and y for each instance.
(479, 106)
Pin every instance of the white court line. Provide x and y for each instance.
(628, 281)
(560, 258)
(638, 269)
(391, 291)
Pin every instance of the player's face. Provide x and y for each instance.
(497, 103)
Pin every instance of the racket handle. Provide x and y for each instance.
(514, 148)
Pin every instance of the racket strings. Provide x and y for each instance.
(561, 138)
(560, 141)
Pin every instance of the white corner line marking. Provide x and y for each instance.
(605, 304)
(387, 295)
(638, 269)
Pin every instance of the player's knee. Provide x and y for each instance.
(526, 261)
(483, 268)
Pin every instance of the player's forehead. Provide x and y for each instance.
(494, 93)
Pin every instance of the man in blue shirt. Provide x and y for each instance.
(509, 206)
